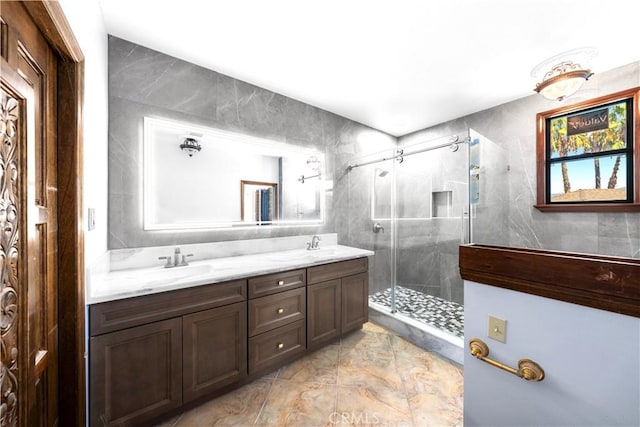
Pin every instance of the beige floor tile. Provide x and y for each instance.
(366, 338)
(298, 404)
(368, 367)
(320, 366)
(371, 406)
(431, 374)
(237, 408)
(374, 328)
(436, 411)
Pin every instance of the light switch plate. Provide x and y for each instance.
(91, 219)
(497, 329)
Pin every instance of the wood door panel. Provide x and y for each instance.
(29, 68)
(14, 103)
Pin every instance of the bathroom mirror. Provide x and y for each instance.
(204, 178)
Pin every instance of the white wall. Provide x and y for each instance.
(85, 18)
(591, 360)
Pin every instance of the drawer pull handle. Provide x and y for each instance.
(280, 282)
(280, 310)
(280, 346)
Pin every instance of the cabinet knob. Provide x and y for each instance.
(280, 282)
(280, 310)
(280, 346)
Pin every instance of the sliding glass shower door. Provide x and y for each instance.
(418, 215)
(432, 220)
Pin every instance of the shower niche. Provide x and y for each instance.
(441, 204)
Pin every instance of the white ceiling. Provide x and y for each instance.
(397, 66)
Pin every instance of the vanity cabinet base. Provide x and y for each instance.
(157, 355)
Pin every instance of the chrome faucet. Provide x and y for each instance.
(313, 244)
(178, 259)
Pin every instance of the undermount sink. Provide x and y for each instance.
(157, 275)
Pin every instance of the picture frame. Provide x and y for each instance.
(588, 155)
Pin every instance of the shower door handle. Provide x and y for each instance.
(464, 227)
(377, 228)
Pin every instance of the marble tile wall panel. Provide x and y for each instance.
(146, 82)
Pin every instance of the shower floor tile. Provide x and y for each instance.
(445, 315)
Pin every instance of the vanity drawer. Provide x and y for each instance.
(277, 346)
(323, 273)
(278, 282)
(125, 313)
(273, 311)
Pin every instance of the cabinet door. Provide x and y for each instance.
(215, 349)
(136, 373)
(324, 310)
(355, 307)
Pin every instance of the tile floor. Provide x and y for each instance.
(371, 377)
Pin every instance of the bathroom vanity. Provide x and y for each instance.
(154, 353)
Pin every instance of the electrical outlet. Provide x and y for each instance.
(497, 329)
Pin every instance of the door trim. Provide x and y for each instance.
(49, 18)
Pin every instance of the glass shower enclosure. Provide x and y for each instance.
(411, 206)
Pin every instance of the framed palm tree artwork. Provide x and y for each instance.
(588, 155)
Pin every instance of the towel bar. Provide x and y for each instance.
(527, 368)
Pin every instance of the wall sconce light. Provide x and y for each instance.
(562, 75)
(190, 145)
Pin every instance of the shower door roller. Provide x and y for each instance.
(377, 228)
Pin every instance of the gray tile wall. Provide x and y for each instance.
(146, 82)
(511, 219)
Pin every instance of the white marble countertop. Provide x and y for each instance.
(121, 284)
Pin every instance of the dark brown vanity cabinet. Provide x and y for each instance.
(337, 300)
(277, 320)
(150, 354)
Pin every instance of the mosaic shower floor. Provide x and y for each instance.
(437, 312)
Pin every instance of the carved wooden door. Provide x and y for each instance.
(28, 222)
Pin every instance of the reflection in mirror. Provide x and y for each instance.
(192, 175)
(259, 202)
